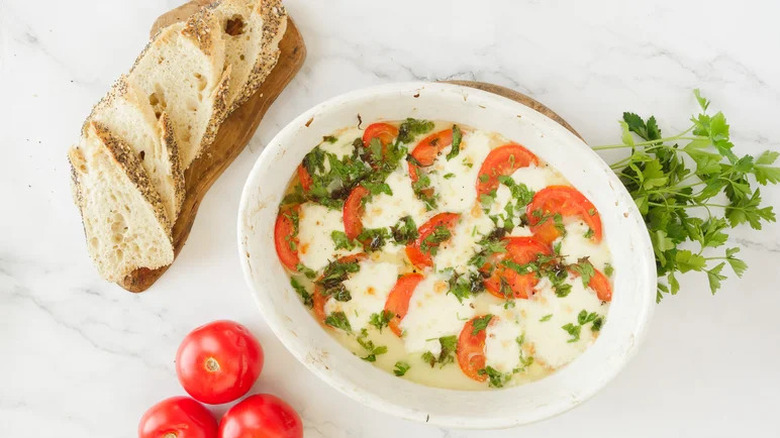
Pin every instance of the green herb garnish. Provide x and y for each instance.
(381, 319)
(411, 128)
(480, 324)
(301, 290)
(372, 351)
(401, 368)
(338, 320)
(680, 203)
(457, 136)
(405, 231)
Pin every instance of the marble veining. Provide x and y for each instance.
(84, 358)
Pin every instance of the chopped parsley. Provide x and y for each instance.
(423, 190)
(480, 324)
(462, 286)
(496, 379)
(583, 318)
(381, 319)
(333, 276)
(305, 270)
(411, 128)
(401, 368)
(546, 317)
(341, 240)
(372, 351)
(448, 344)
(373, 238)
(584, 269)
(338, 320)
(573, 330)
(330, 139)
(405, 231)
(608, 270)
(301, 290)
(431, 242)
(457, 136)
(449, 175)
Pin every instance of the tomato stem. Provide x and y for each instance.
(211, 365)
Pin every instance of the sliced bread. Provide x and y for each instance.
(123, 215)
(181, 72)
(274, 18)
(127, 114)
(251, 30)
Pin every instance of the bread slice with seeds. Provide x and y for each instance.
(251, 30)
(123, 215)
(128, 115)
(181, 72)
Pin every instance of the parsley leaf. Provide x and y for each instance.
(447, 354)
(411, 128)
(338, 320)
(341, 240)
(401, 368)
(480, 323)
(305, 295)
(381, 319)
(372, 351)
(431, 242)
(405, 231)
(457, 136)
(678, 183)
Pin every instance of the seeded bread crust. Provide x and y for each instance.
(169, 141)
(221, 112)
(135, 171)
(274, 25)
(121, 90)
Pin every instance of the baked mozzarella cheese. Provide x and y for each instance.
(444, 254)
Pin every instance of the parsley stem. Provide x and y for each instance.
(655, 143)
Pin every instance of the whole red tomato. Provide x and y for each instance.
(179, 417)
(219, 362)
(261, 416)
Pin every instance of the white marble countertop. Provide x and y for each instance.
(84, 358)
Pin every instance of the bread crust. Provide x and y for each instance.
(132, 166)
(274, 17)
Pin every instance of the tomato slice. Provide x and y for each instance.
(318, 299)
(520, 250)
(286, 237)
(385, 132)
(471, 350)
(304, 178)
(413, 172)
(563, 200)
(428, 148)
(353, 212)
(600, 284)
(398, 299)
(502, 161)
(417, 256)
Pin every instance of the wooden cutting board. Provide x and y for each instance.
(233, 136)
(238, 129)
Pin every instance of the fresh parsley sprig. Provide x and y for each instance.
(678, 183)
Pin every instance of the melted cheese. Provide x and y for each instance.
(455, 180)
(549, 341)
(502, 351)
(343, 145)
(433, 313)
(385, 210)
(456, 252)
(369, 288)
(575, 245)
(315, 245)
